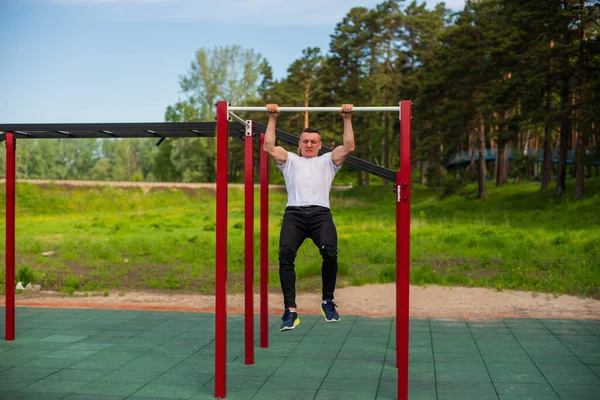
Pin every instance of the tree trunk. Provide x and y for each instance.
(495, 152)
(547, 164)
(482, 167)
(502, 169)
(423, 170)
(473, 148)
(565, 127)
(527, 170)
(583, 126)
(507, 163)
(580, 166)
(499, 163)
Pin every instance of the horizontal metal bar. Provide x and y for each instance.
(113, 127)
(324, 109)
(119, 130)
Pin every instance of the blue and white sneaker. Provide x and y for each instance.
(290, 320)
(329, 312)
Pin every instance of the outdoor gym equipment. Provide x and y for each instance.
(225, 129)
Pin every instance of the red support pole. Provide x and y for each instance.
(264, 245)
(10, 235)
(403, 181)
(221, 255)
(249, 242)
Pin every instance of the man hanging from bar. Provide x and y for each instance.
(308, 180)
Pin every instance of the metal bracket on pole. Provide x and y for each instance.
(399, 192)
(249, 130)
(246, 123)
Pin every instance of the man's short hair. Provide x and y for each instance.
(310, 129)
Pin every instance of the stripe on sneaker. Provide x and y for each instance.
(329, 320)
(289, 328)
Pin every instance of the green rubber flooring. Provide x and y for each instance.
(123, 354)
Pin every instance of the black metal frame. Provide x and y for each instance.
(162, 130)
(117, 130)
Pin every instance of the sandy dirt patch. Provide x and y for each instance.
(375, 300)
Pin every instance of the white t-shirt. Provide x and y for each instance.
(308, 180)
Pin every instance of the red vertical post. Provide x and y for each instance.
(10, 235)
(264, 245)
(403, 181)
(249, 242)
(221, 254)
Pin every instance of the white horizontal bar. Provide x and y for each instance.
(324, 109)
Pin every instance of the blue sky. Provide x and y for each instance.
(119, 60)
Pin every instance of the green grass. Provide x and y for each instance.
(112, 239)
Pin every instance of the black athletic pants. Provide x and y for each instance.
(299, 223)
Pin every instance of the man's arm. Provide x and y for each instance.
(278, 153)
(341, 153)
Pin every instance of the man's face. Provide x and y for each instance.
(310, 143)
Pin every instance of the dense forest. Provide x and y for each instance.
(495, 87)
